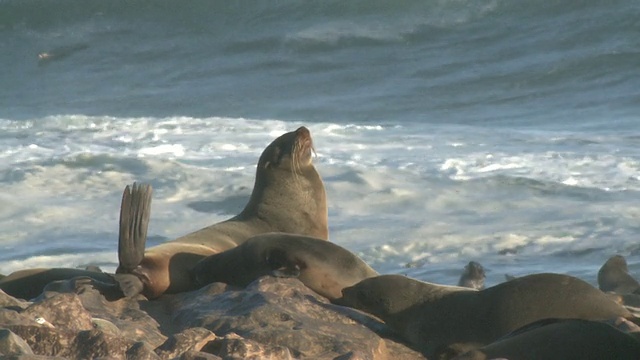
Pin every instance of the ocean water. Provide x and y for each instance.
(505, 132)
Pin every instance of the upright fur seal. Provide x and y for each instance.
(288, 196)
(473, 276)
(433, 317)
(322, 266)
(567, 339)
(614, 276)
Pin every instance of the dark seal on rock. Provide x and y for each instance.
(324, 267)
(433, 317)
(561, 339)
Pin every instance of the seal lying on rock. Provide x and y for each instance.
(561, 339)
(433, 317)
(322, 266)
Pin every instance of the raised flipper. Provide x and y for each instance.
(134, 221)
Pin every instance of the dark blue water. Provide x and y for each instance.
(487, 63)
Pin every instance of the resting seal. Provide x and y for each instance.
(433, 317)
(28, 284)
(561, 339)
(288, 196)
(473, 276)
(614, 276)
(322, 266)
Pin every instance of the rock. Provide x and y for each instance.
(32, 357)
(124, 313)
(87, 344)
(93, 344)
(275, 318)
(12, 344)
(198, 355)
(8, 301)
(188, 340)
(13, 317)
(45, 340)
(141, 351)
(281, 312)
(62, 310)
(233, 346)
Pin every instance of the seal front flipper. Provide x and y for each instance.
(134, 221)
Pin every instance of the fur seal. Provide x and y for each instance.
(561, 339)
(288, 196)
(473, 276)
(29, 283)
(322, 266)
(433, 317)
(614, 276)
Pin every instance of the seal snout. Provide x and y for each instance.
(303, 133)
(304, 140)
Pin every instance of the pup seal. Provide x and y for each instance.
(473, 276)
(288, 196)
(433, 317)
(561, 339)
(614, 276)
(322, 266)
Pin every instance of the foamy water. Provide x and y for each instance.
(415, 199)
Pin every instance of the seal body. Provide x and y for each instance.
(433, 317)
(29, 283)
(288, 196)
(570, 339)
(324, 267)
(614, 276)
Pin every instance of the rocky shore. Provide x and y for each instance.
(272, 318)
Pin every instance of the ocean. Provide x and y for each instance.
(504, 132)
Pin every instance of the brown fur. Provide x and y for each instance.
(288, 196)
(433, 317)
(322, 266)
